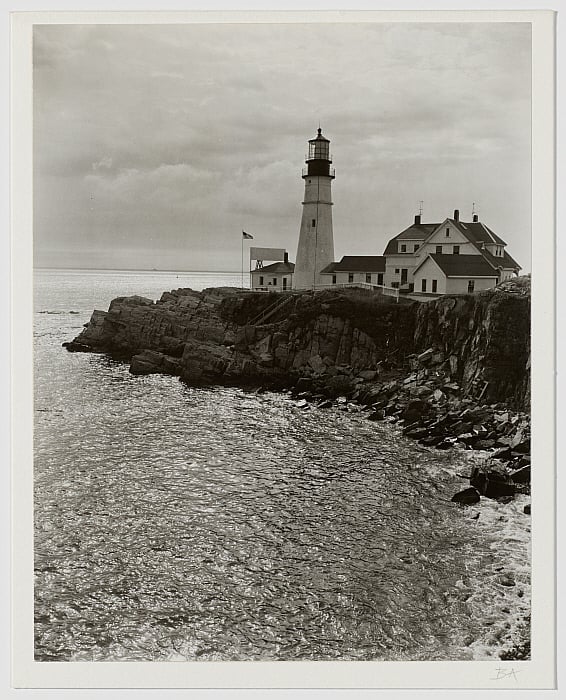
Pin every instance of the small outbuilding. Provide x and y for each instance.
(277, 277)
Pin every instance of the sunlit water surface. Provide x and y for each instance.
(176, 523)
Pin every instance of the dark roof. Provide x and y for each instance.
(278, 267)
(478, 232)
(475, 232)
(464, 265)
(319, 136)
(357, 263)
(416, 232)
(506, 261)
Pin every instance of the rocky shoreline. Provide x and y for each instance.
(454, 372)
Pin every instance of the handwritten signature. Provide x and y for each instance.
(505, 672)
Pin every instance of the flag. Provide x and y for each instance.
(246, 235)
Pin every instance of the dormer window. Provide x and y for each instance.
(403, 248)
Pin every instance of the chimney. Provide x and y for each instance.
(286, 257)
(417, 218)
(456, 215)
(475, 218)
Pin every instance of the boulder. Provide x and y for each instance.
(377, 416)
(467, 497)
(521, 476)
(414, 410)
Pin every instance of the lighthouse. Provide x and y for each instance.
(316, 240)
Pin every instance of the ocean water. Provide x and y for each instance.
(174, 523)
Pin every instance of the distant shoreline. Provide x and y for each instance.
(133, 269)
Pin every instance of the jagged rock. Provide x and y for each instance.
(414, 410)
(521, 476)
(467, 497)
(377, 416)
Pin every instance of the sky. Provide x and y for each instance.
(156, 145)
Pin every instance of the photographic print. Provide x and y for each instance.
(282, 342)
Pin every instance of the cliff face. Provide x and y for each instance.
(224, 336)
(486, 340)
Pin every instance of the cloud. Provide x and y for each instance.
(172, 137)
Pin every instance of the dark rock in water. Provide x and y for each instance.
(497, 489)
(504, 499)
(492, 484)
(527, 509)
(376, 416)
(466, 497)
(325, 404)
(416, 433)
(415, 410)
(522, 476)
(304, 384)
(431, 440)
(523, 447)
(506, 579)
(503, 453)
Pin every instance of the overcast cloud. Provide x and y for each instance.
(156, 145)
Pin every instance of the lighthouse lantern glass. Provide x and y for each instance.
(319, 149)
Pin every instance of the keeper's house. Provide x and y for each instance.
(427, 260)
(369, 269)
(450, 257)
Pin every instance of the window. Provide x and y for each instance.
(274, 281)
(395, 285)
(403, 248)
(396, 270)
(350, 276)
(261, 281)
(439, 249)
(423, 285)
(313, 223)
(434, 285)
(456, 250)
(380, 278)
(368, 277)
(447, 232)
(471, 285)
(416, 247)
(333, 279)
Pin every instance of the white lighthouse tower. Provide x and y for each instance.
(316, 240)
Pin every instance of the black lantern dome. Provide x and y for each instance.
(319, 159)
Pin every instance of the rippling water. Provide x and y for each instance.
(180, 523)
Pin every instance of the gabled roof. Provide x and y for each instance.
(357, 263)
(276, 268)
(416, 232)
(462, 265)
(506, 261)
(475, 231)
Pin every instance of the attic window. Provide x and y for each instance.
(403, 248)
(416, 247)
(447, 232)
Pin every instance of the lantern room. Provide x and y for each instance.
(319, 159)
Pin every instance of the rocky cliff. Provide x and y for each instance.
(336, 339)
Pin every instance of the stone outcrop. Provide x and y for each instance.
(455, 372)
